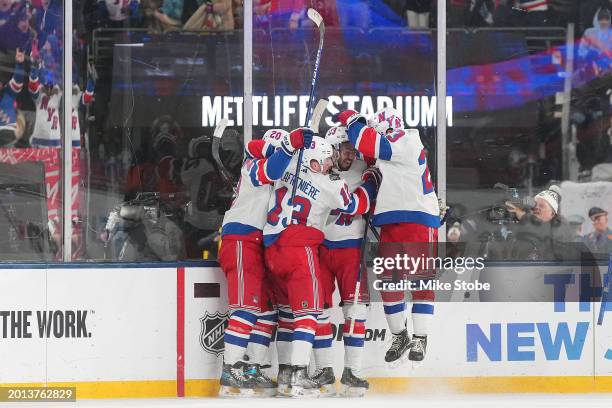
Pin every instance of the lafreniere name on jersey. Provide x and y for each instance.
(304, 186)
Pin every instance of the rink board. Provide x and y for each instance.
(154, 331)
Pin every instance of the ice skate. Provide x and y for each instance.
(263, 386)
(398, 352)
(284, 380)
(326, 380)
(234, 383)
(353, 386)
(302, 386)
(418, 349)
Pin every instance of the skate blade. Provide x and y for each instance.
(265, 392)
(234, 392)
(400, 361)
(300, 392)
(283, 390)
(416, 364)
(352, 392)
(327, 390)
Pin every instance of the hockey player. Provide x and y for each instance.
(241, 258)
(407, 211)
(340, 258)
(292, 235)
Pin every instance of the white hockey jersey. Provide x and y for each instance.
(316, 195)
(342, 230)
(79, 98)
(248, 212)
(406, 193)
(47, 129)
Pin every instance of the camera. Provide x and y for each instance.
(500, 214)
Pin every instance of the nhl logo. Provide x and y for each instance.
(211, 332)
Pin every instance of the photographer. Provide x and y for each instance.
(541, 232)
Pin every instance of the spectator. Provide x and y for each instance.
(15, 32)
(119, 13)
(47, 20)
(542, 233)
(596, 44)
(6, 9)
(150, 21)
(503, 16)
(600, 240)
(532, 13)
(169, 14)
(238, 7)
(51, 57)
(216, 15)
(588, 9)
(355, 13)
(480, 13)
(8, 114)
(563, 12)
(457, 13)
(417, 13)
(575, 221)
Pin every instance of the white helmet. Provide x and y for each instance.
(320, 150)
(385, 119)
(336, 135)
(275, 136)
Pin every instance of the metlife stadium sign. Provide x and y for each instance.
(281, 111)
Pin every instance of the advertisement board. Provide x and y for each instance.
(134, 331)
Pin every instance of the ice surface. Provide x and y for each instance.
(373, 401)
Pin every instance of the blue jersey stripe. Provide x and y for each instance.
(398, 216)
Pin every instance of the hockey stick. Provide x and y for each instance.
(216, 145)
(317, 114)
(605, 292)
(363, 266)
(316, 18)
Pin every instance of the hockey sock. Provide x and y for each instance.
(284, 335)
(323, 341)
(422, 313)
(259, 342)
(237, 335)
(353, 343)
(394, 313)
(303, 337)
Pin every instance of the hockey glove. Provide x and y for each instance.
(444, 211)
(297, 139)
(372, 174)
(348, 117)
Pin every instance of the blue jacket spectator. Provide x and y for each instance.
(15, 32)
(8, 114)
(47, 20)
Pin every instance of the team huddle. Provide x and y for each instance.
(283, 256)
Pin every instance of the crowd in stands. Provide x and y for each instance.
(501, 13)
(162, 15)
